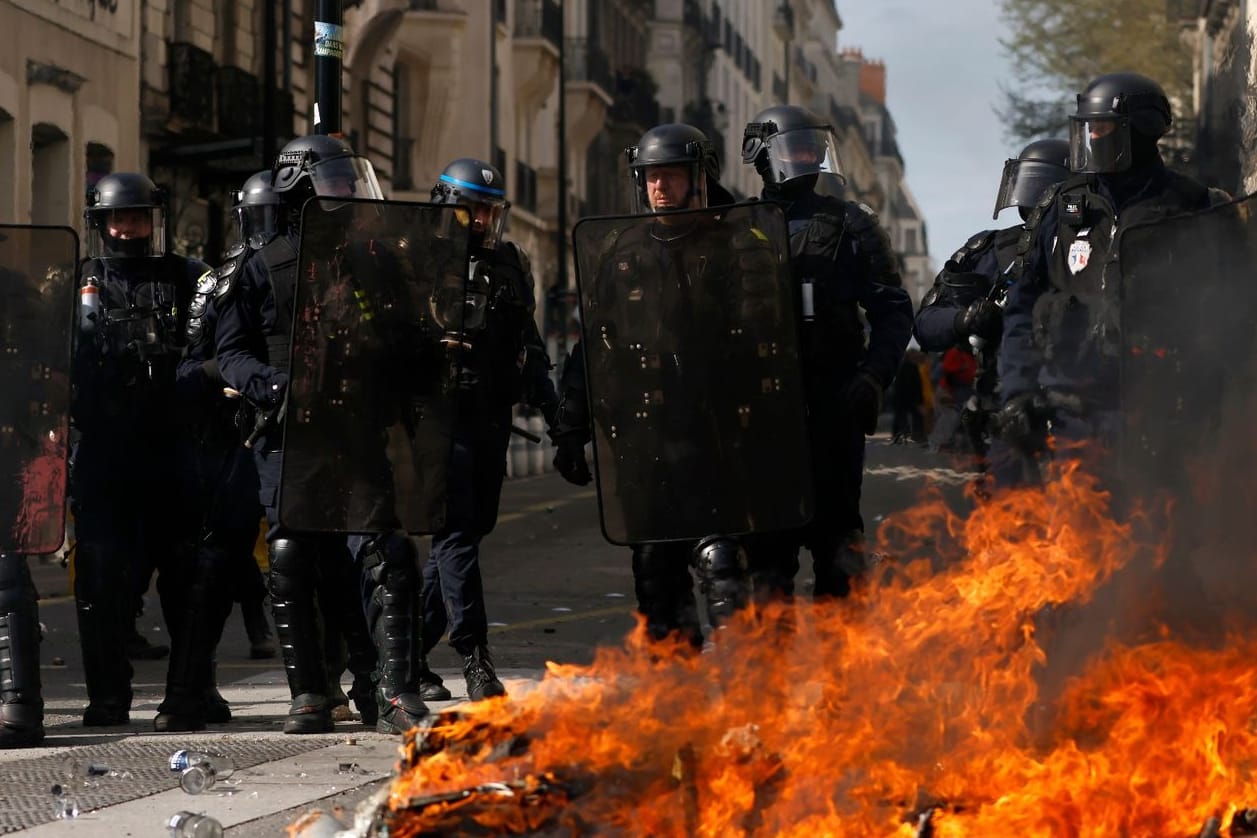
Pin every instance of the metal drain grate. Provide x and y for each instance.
(135, 770)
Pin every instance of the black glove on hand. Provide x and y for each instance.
(863, 399)
(569, 460)
(982, 319)
(1022, 422)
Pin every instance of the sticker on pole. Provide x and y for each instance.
(329, 40)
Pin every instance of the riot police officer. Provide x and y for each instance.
(39, 275)
(127, 515)
(961, 305)
(254, 332)
(222, 478)
(843, 263)
(965, 303)
(503, 361)
(1060, 352)
(693, 278)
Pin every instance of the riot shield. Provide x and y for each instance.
(692, 365)
(377, 329)
(1188, 316)
(38, 274)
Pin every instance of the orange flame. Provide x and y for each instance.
(926, 692)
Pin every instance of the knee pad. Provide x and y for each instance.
(718, 557)
(292, 571)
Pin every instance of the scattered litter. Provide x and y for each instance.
(615, 596)
(561, 608)
(192, 825)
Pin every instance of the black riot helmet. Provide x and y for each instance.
(1040, 164)
(125, 217)
(673, 145)
(1118, 120)
(790, 147)
(323, 165)
(257, 211)
(480, 187)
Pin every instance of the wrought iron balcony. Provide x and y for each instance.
(239, 103)
(587, 62)
(191, 85)
(539, 19)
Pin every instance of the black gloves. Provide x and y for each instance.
(863, 400)
(982, 319)
(1022, 422)
(569, 459)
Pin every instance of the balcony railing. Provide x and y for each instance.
(539, 19)
(587, 62)
(191, 85)
(239, 103)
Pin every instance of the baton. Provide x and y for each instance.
(528, 435)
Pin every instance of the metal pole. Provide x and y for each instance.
(329, 51)
(563, 279)
(268, 84)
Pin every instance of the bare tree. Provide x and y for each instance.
(1056, 46)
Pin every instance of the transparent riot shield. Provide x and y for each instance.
(38, 275)
(1188, 320)
(377, 329)
(692, 360)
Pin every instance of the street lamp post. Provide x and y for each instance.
(329, 52)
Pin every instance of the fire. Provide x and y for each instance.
(932, 703)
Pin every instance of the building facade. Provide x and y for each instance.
(202, 93)
(69, 72)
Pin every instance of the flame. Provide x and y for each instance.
(928, 696)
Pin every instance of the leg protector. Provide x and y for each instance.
(21, 702)
(665, 591)
(391, 565)
(723, 577)
(190, 674)
(296, 617)
(106, 617)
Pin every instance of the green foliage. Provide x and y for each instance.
(1056, 46)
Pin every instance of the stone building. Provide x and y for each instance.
(69, 72)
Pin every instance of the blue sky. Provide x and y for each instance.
(944, 64)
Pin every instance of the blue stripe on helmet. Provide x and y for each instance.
(500, 193)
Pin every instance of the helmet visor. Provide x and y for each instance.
(1099, 144)
(1024, 182)
(256, 224)
(801, 152)
(126, 231)
(487, 220)
(669, 186)
(346, 177)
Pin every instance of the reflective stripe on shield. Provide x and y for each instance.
(38, 278)
(692, 361)
(377, 332)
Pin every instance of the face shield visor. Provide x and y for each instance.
(1099, 144)
(799, 153)
(256, 224)
(487, 220)
(1024, 182)
(668, 187)
(122, 232)
(345, 177)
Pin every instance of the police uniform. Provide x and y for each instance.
(843, 262)
(507, 364)
(1061, 337)
(254, 331)
(128, 517)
